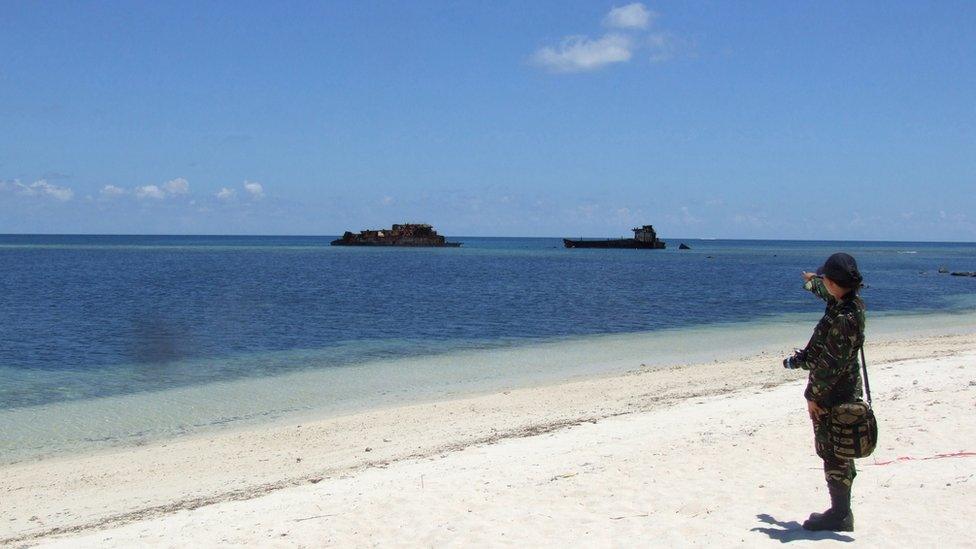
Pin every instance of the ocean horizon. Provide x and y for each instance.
(333, 236)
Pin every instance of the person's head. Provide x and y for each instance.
(840, 275)
(835, 289)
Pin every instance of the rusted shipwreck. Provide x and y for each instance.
(405, 234)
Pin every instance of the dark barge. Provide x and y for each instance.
(645, 238)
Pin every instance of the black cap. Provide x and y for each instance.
(842, 269)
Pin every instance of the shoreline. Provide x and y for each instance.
(132, 484)
(78, 427)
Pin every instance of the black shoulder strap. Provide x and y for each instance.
(867, 386)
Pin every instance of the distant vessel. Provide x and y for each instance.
(406, 234)
(644, 238)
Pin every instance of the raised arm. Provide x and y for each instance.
(814, 283)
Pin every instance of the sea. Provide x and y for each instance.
(115, 340)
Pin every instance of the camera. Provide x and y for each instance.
(793, 362)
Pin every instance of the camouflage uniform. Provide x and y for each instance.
(835, 376)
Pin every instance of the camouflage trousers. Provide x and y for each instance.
(835, 469)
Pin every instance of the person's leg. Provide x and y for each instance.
(839, 474)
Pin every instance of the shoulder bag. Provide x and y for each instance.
(852, 429)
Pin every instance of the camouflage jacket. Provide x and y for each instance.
(831, 354)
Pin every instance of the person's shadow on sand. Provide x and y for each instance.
(792, 531)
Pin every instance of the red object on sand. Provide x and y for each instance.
(936, 456)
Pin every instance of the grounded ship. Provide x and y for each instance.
(644, 238)
(407, 234)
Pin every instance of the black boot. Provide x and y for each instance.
(839, 518)
(819, 516)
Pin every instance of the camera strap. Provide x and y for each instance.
(867, 386)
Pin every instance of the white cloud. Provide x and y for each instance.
(684, 217)
(59, 193)
(173, 187)
(750, 219)
(662, 46)
(631, 16)
(580, 53)
(225, 194)
(112, 190)
(254, 188)
(629, 36)
(42, 188)
(150, 191)
(587, 210)
(387, 200)
(177, 186)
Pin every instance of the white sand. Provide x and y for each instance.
(717, 454)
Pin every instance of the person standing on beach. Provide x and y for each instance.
(831, 358)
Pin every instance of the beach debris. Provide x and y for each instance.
(310, 518)
(564, 475)
(628, 516)
(315, 480)
(368, 449)
(684, 246)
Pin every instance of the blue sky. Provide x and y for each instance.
(815, 120)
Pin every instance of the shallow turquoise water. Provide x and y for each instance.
(310, 393)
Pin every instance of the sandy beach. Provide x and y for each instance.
(708, 454)
(486, 274)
